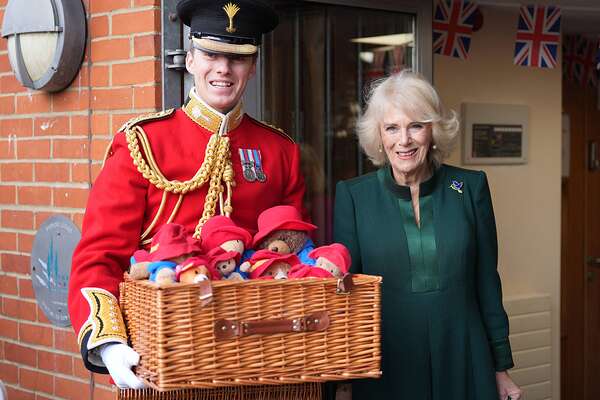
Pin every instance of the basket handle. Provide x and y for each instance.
(227, 329)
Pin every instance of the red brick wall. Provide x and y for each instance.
(51, 147)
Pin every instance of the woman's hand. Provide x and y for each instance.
(507, 389)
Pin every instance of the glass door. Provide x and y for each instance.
(316, 68)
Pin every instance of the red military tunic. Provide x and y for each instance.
(123, 204)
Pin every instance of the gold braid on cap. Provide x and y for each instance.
(215, 168)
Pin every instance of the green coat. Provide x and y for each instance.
(444, 330)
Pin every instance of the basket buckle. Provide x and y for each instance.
(345, 284)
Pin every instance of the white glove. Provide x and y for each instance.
(118, 359)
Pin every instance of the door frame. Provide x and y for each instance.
(172, 40)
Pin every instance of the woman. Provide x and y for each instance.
(429, 230)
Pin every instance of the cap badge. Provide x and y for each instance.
(231, 9)
(456, 185)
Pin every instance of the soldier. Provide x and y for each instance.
(184, 166)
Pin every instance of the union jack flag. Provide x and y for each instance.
(538, 36)
(453, 27)
(585, 68)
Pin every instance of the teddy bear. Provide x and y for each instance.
(282, 230)
(171, 246)
(221, 231)
(332, 261)
(194, 270)
(267, 264)
(225, 263)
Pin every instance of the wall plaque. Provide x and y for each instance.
(51, 266)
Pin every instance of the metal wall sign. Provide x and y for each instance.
(51, 256)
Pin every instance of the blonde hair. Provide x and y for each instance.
(414, 95)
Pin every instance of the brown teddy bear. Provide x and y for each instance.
(282, 230)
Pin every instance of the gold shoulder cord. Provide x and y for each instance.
(215, 169)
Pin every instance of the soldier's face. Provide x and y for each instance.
(220, 79)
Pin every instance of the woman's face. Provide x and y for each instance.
(406, 143)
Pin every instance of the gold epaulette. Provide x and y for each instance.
(146, 117)
(275, 129)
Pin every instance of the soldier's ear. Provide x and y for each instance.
(189, 60)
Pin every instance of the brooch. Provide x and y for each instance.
(456, 185)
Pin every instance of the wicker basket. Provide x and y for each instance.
(304, 391)
(255, 332)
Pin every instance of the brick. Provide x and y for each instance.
(70, 197)
(34, 195)
(26, 288)
(42, 397)
(8, 329)
(110, 50)
(17, 219)
(82, 79)
(14, 393)
(15, 263)
(112, 99)
(147, 97)
(35, 334)
(51, 126)
(41, 317)
(4, 63)
(100, 124)
(98, 26)
(25, 242)
(31, 103)
(20, 309)
(79, 369)
(97, 7)
(99, 147)
(10, 84)
(80, 172)
(7, 105)
(36, 380)
(18, 127)
(146, 45)
(72, 100)
(102, 379)
(20, 354)
(8, 284)
(104, 393)
(51, 172)
(16, 172)
(136, 22)
(8, 194)
(135, 73)
(33, 149)
(48, 361)
(66, 341)
(70, 389)
(139, 3)
(70, 148)
(9, 373)
(119, 119)
(80, 124)
(99, 76)
(8, 148)
(9, 243)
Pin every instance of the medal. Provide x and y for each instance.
(247, 165)
(260, 174)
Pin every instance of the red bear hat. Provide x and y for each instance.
(263, 259)
(280, 217)
(194, 262)
(220, 229)
(336, 253)
(171, 241)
